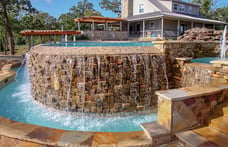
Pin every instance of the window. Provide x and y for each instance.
(175, 6)
(151, 25)
(182, 7)
(141, 8)
(190, 9)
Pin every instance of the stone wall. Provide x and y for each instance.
(98, 83)
(186, 108)
(221, 70)
(193, 49)
(201, 34)
(180, 52)
(107, 35)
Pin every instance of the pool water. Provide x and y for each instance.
(16, 103)
(99, 44)
(206, 60)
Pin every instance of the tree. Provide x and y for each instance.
(206, 7)
(11, 11)
(221, 14)
(113, 5)
(7, 26)
(43, 21)
(83, 8)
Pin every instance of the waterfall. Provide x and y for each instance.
(155, 72)
(71, 63)
(163, 61)
(223, 44)
(194, 74)
(81, 83)
(146, 69)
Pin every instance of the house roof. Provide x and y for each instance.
(159, 14)
(98, 19)
(48, 32)
(160, 6)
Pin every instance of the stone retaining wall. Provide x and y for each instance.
(107, 35)
(7, 75)
(180, 52)
(186, 108)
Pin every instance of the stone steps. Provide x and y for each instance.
(222, 109)
(212, 135)
(191, 139)
(219, 124)
(225, 111)
(158, 133)
(215, 134)
(202, 137)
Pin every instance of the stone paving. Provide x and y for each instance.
(33, 135)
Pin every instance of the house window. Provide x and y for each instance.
(190, 9)
(141, 8)
(175, 6)
(182, 7)
(151, 25)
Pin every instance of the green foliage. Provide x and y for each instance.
(221, 14)
(11, 11)
(83, 8)
(113, 5)
(82, 37)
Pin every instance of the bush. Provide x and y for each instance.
(20, 40)
(82, 37)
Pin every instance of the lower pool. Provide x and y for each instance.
(206, 60)
(16, 103)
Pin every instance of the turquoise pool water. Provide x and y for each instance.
(205, 60)
(99, 44)
(16, 103)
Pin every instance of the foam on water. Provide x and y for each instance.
(16, 103)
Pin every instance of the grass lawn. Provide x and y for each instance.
(19, 50)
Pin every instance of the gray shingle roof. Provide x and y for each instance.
(159, 5)
(159, 14)
(145, 16)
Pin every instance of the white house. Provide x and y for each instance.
(163, 18)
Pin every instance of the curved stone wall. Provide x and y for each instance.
(97, 79)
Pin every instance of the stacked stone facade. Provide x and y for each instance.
(98, 83)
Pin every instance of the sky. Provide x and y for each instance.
(57, 7)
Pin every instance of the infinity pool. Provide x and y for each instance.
(100, 44)
(206, 60)
(16, 103)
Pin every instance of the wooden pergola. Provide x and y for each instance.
(31, 33)
(99, 20)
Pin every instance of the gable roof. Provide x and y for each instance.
(160, 6)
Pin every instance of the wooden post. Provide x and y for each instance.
(192, 25)
(162, 27)
(143, 28)
(178, 28)
(29, 42)
(79, 26)
(41, 39)
(128, 28)
(55, 38)
(66, 39)
(120, 26)
(32, 40)
(93, 25)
